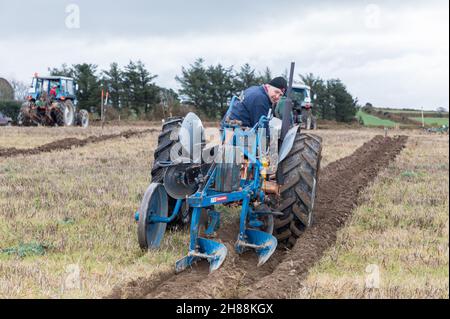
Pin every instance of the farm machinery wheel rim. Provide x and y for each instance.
(154, 203)
(68, 114)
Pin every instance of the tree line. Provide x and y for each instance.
(211, 87)
(208, 88)
(333, 101)
(131, 87)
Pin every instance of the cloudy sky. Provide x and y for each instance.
(389, 53)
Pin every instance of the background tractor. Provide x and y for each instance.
(276, 204)
(52, 101)
(302, 107)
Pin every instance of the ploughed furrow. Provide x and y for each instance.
(68, 143)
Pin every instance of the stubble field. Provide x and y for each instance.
(69, 212)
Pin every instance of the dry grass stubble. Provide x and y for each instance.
(78, 204)
(402, 230)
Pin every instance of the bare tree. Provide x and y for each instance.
(20, 90)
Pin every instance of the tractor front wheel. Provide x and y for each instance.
(298, 175)
(83, 118)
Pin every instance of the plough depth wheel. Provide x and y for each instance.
(154, 203)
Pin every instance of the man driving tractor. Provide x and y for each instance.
(257, 101)
(275, 208)
(54, 91)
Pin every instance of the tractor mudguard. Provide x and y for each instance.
(191, 136)
(288, 142)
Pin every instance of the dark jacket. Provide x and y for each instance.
(254, 104)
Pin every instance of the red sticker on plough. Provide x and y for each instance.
(218, 199)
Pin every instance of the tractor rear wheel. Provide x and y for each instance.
(22, 119)
(165, 143)
(65, 113)
(298, 174)
(166, 140)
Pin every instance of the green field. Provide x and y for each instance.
(397, 111)
(370, 120)
(434, 121)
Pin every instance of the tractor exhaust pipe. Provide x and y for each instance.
(286, 122)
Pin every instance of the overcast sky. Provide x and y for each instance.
(389, 53)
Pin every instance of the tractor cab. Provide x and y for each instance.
(57, 87)
(301, 106)
(301, 96)
(301, 99)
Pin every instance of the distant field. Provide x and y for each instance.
(408, 111)
(415, 113)
(438, 121)
(370, 120)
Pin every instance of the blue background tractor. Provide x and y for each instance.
(52, 101)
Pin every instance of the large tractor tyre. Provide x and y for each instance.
(65, 113)
(165, 143)
(23, 118)
(170, 129)
(298, 174)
